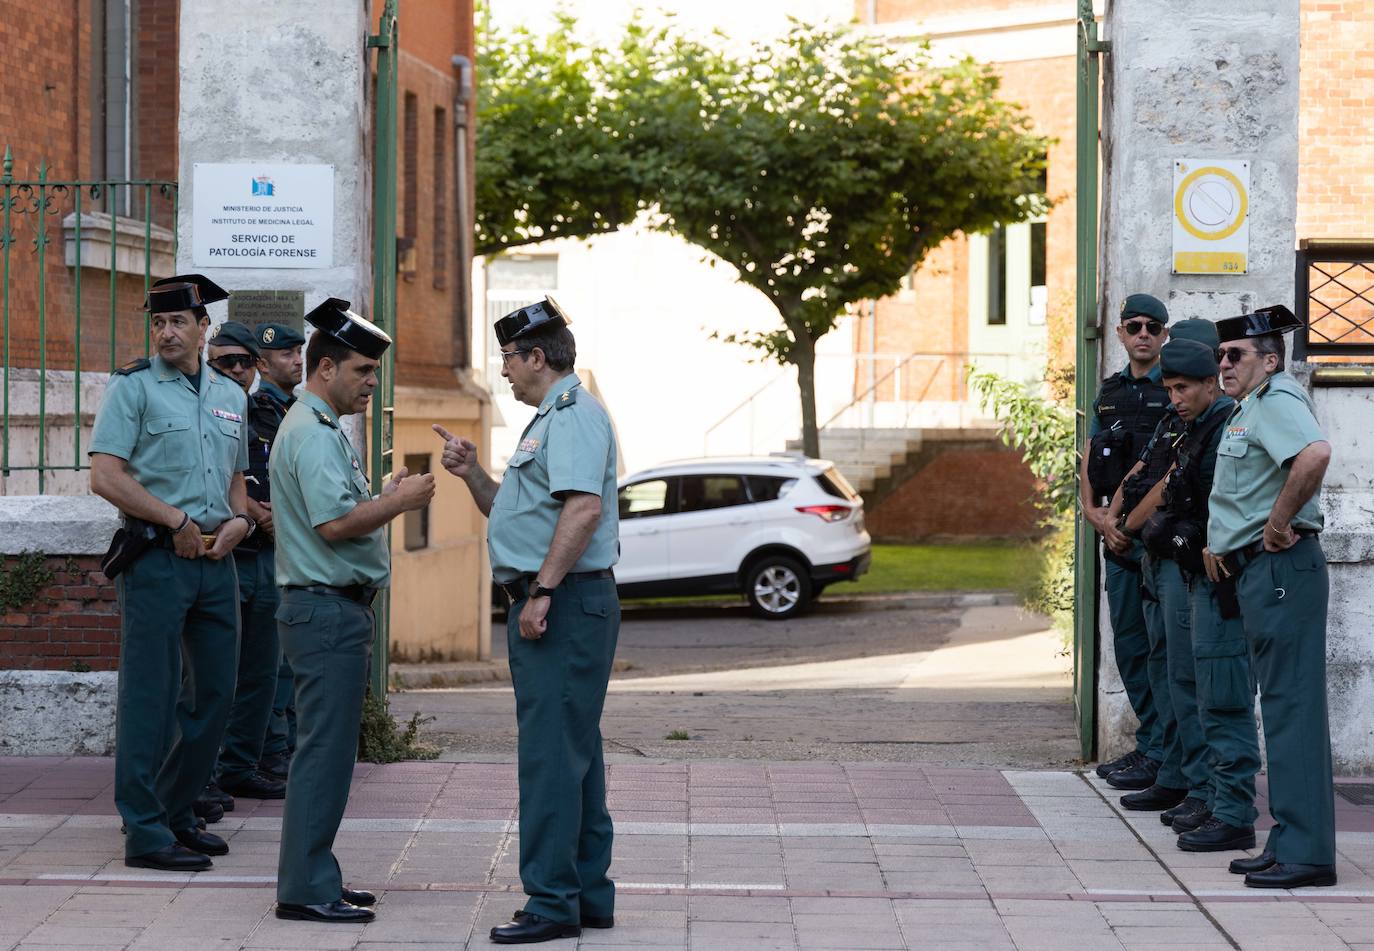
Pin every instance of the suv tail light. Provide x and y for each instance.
(828, 513)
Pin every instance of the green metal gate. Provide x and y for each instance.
(384, 296)
(1086, 584)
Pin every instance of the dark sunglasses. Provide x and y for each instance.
(1233, 354)
(1133, 327)
(234, 361)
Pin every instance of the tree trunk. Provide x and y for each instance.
(804, 356)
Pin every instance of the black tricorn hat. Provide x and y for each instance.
(1265, 321)
(528, 319)
(183, 292)
(363, 336)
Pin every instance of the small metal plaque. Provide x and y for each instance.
(268, 307)
(1360, 794)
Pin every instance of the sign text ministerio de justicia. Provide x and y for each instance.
(263, 215)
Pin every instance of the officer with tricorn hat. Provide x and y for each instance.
(169, 450)
(1267, 563)
(332, 559)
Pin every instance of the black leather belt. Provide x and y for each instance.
(362, 593)
(515, 590)
(1235, 561)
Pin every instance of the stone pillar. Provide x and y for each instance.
(1203, 80)
(263, 81)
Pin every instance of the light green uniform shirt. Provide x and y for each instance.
(317, 477)
(182, 445)
(1266, 430)
(567, 447)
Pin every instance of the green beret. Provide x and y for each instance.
(278, 337)
(1188, 358)
(1203, 331)
(231, 333)
(1143, 305)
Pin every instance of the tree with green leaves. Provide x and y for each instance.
(823, 165)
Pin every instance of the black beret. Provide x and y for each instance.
(1196, 328)
(363, 336)
(1188, 358)
(278, 337)
(231, 333)
(1143, 305)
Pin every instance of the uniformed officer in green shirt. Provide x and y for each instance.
(279, 372)
(1263, 553)
(1129, 404)
(169, 450)
(553, 536)
(234, 352)
(332, 559)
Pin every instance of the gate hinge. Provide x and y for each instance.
(1092, 332)
(1098, 46)
(379, 41)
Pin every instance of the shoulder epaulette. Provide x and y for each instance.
(567, 399)
(323, 417)
(142, 363)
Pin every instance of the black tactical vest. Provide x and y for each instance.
(1167, 434)
(1178, 528)
(265, 416)
(1128, 413)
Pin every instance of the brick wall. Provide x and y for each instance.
(73, 621)
(976, 493)
(1335, 161)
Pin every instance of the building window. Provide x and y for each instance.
(997, 276)
(440, 178)
(410, 207)
(417, 522)
(1039, 293)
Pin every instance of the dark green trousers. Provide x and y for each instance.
(328, 641)
(259, 658)
(178, 616)
(560, 688)
(281, 727)
(1171, 762)
(1131, 643)
(1176, 611)
(1283, 599)
(1226, 706)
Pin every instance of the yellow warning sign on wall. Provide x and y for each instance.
(1211, 216)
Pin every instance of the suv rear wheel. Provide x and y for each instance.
(777, 587)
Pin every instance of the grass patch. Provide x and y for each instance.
(678, 735)
(982, 566)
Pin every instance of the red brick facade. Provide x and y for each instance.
(985, 493)
(73, 623)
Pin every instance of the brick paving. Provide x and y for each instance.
(709, 855)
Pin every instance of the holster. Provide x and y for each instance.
(128, 545)
(1227, 601)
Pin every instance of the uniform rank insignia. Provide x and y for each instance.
(1236, 432)
(324, 418)
(529, 445)
(225, 414)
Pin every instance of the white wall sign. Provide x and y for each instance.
(1211, 216)
(262, 215)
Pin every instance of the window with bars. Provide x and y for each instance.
(1334, 296)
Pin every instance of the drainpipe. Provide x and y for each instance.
(1086, 586)
(462, 322)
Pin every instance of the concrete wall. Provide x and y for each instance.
(1202, 79)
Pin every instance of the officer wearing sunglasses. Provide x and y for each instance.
(1128, 408)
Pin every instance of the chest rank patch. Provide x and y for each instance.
(1236, 432)
(529, 445)
(225, 414)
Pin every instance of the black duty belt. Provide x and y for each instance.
(362, 593)
(1235, 561)
(515, 590)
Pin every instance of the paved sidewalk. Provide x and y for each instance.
(709, 855)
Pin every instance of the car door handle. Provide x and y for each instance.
(649, 531)
(739, 521)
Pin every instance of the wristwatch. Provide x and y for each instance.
(537, 590)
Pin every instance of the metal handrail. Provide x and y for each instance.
(943, 357)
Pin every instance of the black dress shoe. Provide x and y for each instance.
(171, 858)
(1193, 818)
(207, 810)
(213, 793)
(257, 786)
(1121, 762)
(1217, 836)
(206, 843)
(276, 766)
(1188, 806)
(1256, 863)
(1140, 776)
(527, 928)
(334, 912)
(360, 898)
(1155, 797)
(1284, 875)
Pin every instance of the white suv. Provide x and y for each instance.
(778, 529)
